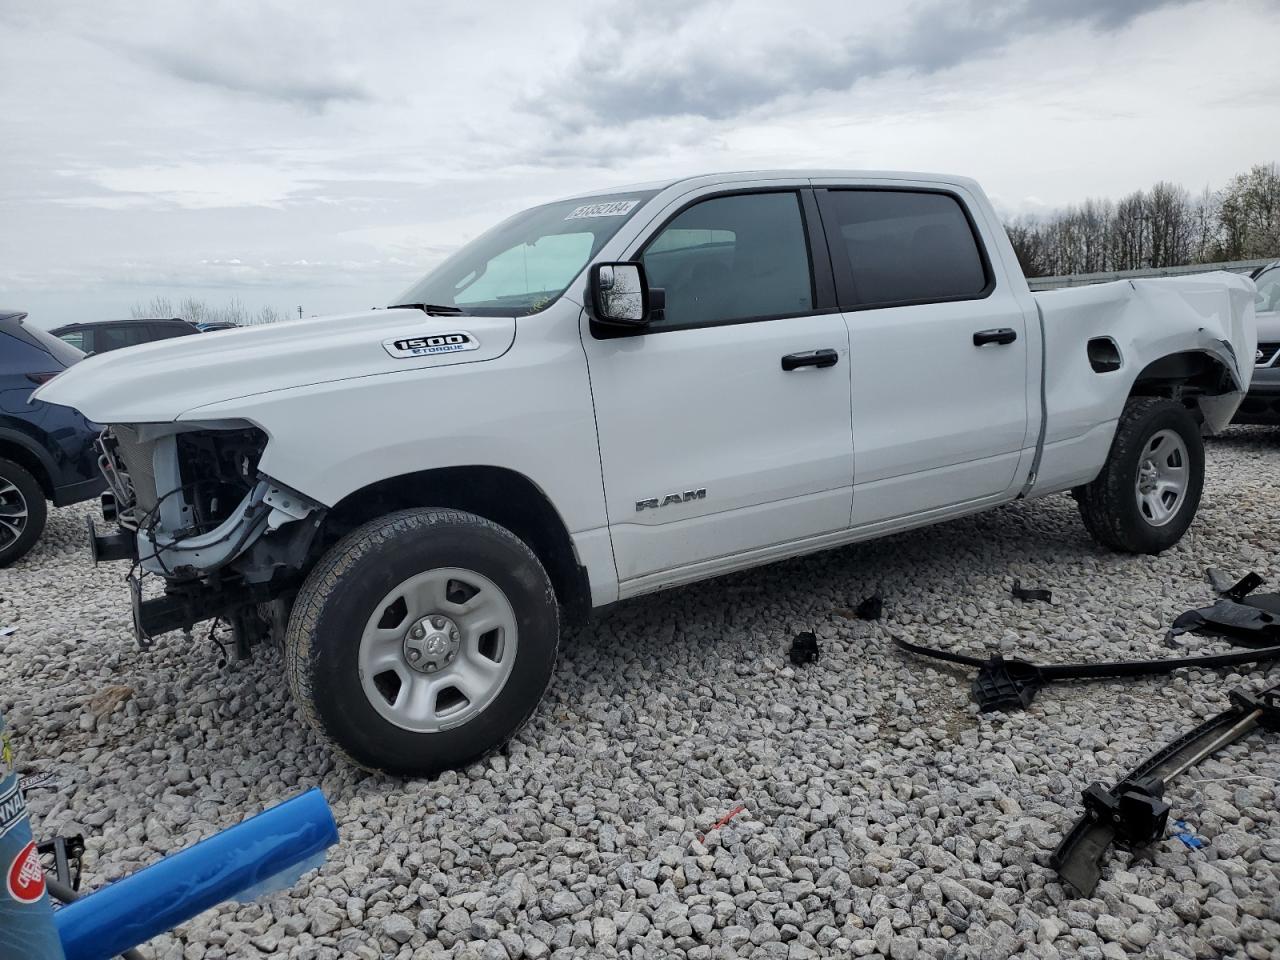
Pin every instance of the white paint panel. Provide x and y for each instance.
(711, 408)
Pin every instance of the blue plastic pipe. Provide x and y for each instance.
(242, 859)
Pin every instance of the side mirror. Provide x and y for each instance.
(619, 294)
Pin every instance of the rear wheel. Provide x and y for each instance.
(422, 641)
(1149, 489)
(22, 511)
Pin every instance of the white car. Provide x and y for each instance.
(620, 392)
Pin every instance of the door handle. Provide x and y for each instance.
(814, 358)
(1001, 335)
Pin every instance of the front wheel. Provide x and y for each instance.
(422, 641)
(1149, 489)
(22, 511)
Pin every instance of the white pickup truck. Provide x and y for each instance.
(622, 392)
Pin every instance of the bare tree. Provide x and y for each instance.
(194, 310)
(1169, 221)
(1249, 213)
(1162, 227)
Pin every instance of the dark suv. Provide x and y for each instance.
(46, 450)
(99, 336)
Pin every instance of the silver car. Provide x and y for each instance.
(1262, 404)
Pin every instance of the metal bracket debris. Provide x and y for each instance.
(804, 648)
(1223, 586)
(67, 854)
(1026, 594)
(1011, 684)
(1134, 813)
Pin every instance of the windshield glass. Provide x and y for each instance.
(523, 264)
(1268, 298)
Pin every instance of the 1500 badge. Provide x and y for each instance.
(430, 345)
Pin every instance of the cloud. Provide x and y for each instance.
(302, 82)
(699, 65)
(338, 150)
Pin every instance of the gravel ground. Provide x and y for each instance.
(882, 815)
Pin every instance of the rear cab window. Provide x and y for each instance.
(904, 247)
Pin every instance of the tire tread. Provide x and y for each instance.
(327, 577)
(1103, 503)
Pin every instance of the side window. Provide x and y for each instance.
(732, 258)
(75, 338)
(906, 246)
(163, 331)
(1268, 297)
(115, 336)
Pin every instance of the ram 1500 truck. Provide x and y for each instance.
(621, 392)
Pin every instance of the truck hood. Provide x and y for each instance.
(158, 382)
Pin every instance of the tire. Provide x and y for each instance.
(401, 587)
(1115, 509)
(22, 511)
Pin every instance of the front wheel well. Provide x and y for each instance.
(507, 498)
(20, 455)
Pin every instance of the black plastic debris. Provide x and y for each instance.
(1011, 684)
(1253, 621)
(1027, 594)
(1134, 813)
(804, 648)
(1005, 685)
(871, 608)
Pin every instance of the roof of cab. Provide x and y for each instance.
(732, 176)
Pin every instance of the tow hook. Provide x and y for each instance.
(103, 548)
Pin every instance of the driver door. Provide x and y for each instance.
(725, 424)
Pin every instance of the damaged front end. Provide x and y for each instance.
(194, 509)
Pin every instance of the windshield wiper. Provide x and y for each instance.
(434, 309)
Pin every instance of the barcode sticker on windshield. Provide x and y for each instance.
(614, 208)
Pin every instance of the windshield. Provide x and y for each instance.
(523, 264)
(1268, 297)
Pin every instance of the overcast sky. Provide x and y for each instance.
(325, 155)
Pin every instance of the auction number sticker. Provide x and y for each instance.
(614, 208)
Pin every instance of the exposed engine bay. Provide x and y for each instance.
(194, 509)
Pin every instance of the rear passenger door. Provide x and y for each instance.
(938, 351)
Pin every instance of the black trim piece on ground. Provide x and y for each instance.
(1134, 813)
(1011, 684)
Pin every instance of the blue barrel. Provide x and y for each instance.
(27, 931)
(270, 850)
